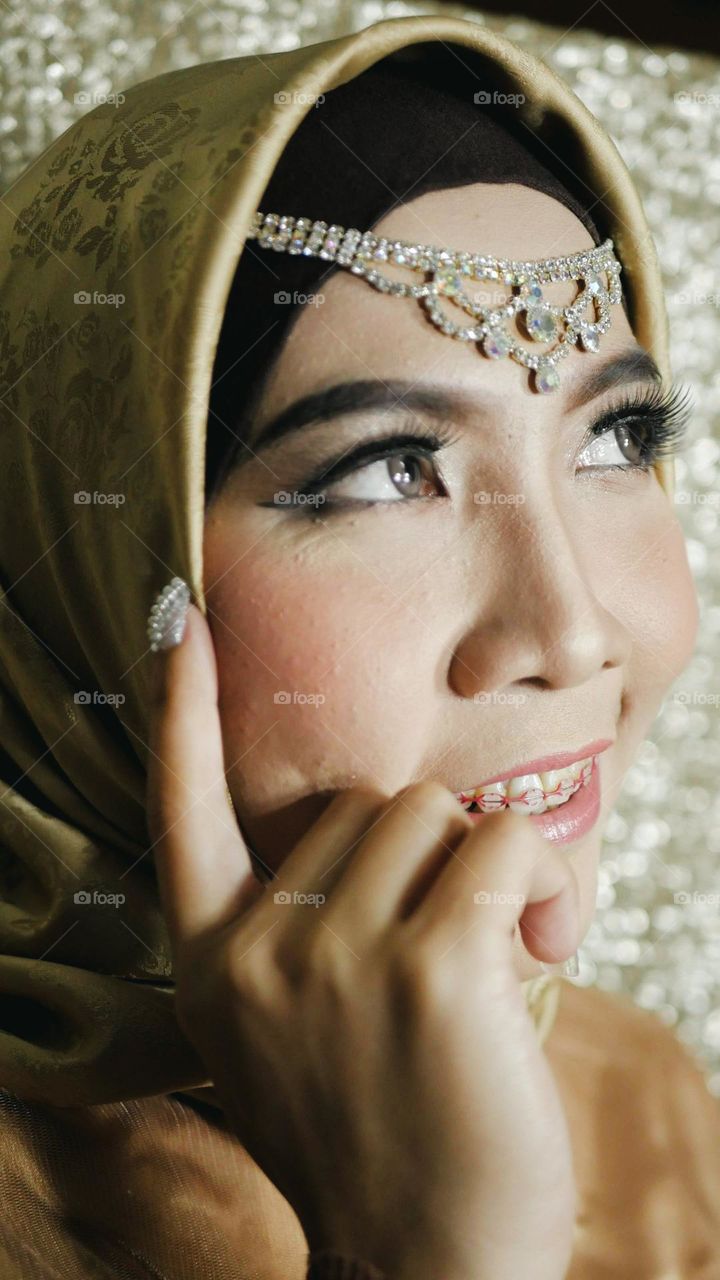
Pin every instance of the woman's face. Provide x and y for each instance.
(504, 599)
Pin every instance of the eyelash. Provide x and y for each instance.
(663, 414)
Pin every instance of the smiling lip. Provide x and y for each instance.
(569, 821)
(546, 763)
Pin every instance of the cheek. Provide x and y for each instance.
(651, 590)
(324, 669)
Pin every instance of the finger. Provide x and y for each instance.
(549, 928)
(308, 876)
(323, 853)
(415, 833)
(203, 865)
(502, 872)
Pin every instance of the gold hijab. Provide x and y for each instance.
(103, 409)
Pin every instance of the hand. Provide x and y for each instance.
(373, 1054)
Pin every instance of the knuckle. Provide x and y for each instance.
(353, 806)
(421, 980)
(317, 964)
(359, 799)
(214, 981)
(319, 959)
(191, 1006)
(365, 793)
(430, 796)
(244, 970)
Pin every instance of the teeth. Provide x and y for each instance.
(491, 798)
(531, 792)
(559, 781)
(525, 793)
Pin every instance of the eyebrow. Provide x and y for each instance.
(437, 400)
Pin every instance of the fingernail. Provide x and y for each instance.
(166, 620)
(569, 968)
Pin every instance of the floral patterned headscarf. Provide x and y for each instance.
(119, 247)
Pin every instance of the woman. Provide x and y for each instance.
(166, 1113)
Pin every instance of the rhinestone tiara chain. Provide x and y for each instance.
(583, 321)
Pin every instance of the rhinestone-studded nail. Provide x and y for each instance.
(569, 968)
(166, 621)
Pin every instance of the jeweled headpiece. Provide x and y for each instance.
(596, 272)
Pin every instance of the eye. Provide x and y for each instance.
(619, 445)
(408, 474)
(639, 432)
(630, 437)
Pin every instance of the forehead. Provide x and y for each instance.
(351, 330)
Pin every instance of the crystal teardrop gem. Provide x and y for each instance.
(496, 345)
(541, 324)
(547, 378)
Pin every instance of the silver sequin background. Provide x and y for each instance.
(656, 935)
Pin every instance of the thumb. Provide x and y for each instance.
(550, 927)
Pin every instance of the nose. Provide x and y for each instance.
(539, 621)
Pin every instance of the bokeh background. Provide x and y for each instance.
(656, 936)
